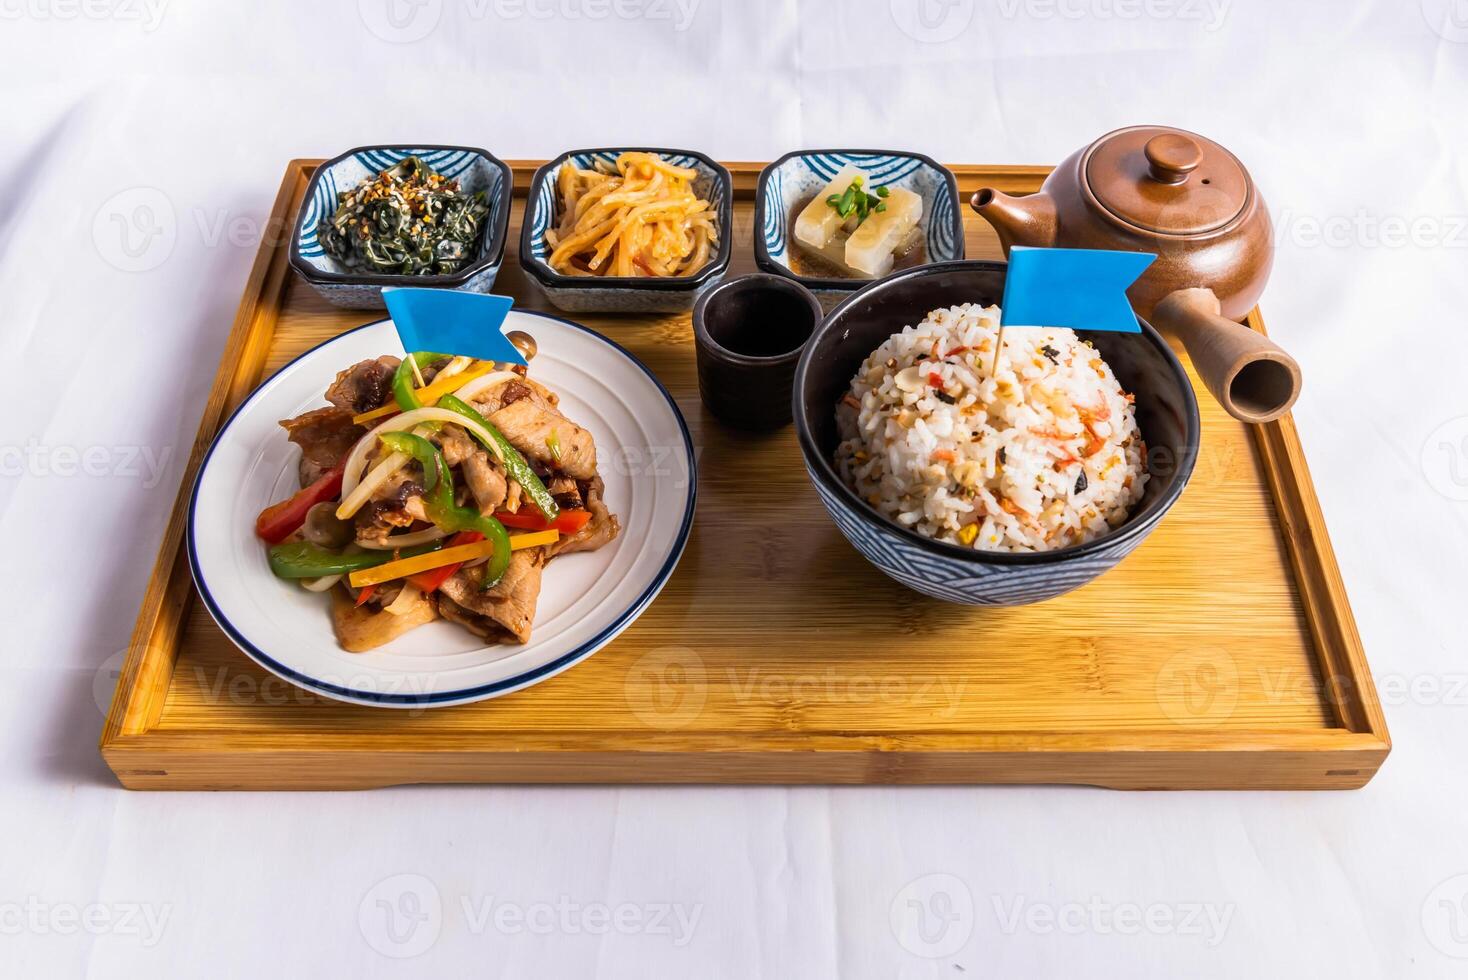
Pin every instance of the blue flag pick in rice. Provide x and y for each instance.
(1079, 288)
(447, 321)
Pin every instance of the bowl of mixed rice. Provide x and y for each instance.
(980, 479)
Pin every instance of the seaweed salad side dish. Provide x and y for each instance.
(408, 220)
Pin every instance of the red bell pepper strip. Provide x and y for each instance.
(365, 594)
(429, 581)
(279, 521)
(567, 521)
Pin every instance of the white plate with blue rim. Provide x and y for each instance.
(644, 455)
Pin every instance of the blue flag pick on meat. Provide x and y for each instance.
(447, 321)
(1079, 288)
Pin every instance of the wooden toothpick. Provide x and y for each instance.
(416, 372)
(998, 346)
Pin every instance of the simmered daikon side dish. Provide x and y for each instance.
(435, 487)
(856, 229)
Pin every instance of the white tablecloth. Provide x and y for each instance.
(141, 144)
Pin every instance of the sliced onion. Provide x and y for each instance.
(407, 598)
(356, 491)
(410, 540)
(357, 459)
(322, 584)
(362, 492)
(457, 366)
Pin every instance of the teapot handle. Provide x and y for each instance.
(1251, 376)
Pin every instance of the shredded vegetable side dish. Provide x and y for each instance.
(435, 487)
(640, 219)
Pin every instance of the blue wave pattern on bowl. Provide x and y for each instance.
(963, 581)
(457, 164)
(799, 177)
(543, 208)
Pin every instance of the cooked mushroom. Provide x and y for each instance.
(323, 527)
(524, 343)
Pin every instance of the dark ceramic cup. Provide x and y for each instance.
(749, 333)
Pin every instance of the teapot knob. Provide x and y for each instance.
(1171, 157)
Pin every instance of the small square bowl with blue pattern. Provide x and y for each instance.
(475, 170)
(624, 294)
(789, 183)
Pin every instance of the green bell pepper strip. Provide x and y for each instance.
(442, 510)
(451, 517)
(302, 559)
(515, 463)
(419, 448)
(403, 391)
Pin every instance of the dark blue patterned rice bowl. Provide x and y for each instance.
(979, 487)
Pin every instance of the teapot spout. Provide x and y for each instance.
(1028, 220)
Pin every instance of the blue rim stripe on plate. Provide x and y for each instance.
(563, 662)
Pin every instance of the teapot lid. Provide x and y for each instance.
(1167, 180)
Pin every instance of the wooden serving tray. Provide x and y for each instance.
(1221, 654)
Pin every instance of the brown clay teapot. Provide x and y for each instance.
(1184, 197)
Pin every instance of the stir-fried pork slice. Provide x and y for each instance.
(486, 482)
(512, 602)
(536, 416)
(363, 386)
(454, 442)
(491, 400)
(359, 629)
(566, 491)
(533, 429)
(396, 504)
(325, 436)
(472, 621)
(600, 530)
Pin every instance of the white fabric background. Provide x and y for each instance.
(1351, 116)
